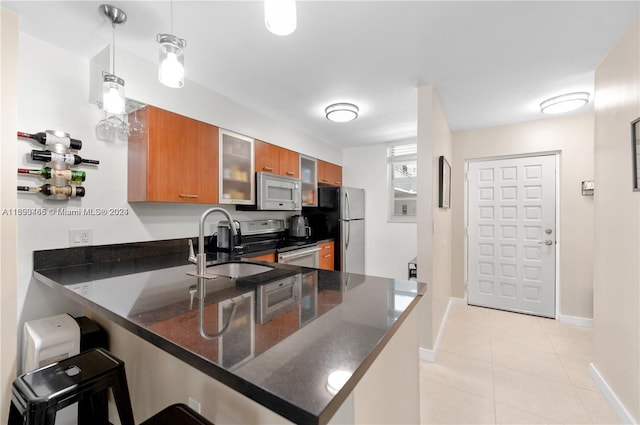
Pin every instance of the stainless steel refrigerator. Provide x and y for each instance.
(352, 229)
(340, 216)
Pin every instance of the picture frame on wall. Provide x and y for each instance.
(444, 192)
(635, 153)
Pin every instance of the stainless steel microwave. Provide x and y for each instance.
(277, 193)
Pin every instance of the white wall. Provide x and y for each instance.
(434, 224)
(8, 201)
(617, 224)
(573, 137)
(389, 246)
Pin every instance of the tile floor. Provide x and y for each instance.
(495, 367)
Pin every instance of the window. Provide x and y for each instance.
(403, 181)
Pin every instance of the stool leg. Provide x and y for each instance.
(120, 392)
(15, 418)
(94, 410)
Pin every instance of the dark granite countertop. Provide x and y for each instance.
(341, 322)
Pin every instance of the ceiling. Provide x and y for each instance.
(492, 63)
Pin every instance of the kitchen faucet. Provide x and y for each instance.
(203, 276)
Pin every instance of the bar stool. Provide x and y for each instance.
(36, 396)
(177, 414)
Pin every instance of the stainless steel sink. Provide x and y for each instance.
(238, 269)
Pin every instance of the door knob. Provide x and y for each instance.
(547, 242)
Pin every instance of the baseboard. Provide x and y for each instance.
(623, 414)
(429, 355)
(575, 320)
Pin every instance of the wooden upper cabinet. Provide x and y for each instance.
(289, 163)
(276, 160)
(329, 174)
(174, 161)
(267, 157)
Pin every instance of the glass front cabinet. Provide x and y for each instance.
(309, 176)
(237, 182)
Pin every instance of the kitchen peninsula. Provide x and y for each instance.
(337, 354)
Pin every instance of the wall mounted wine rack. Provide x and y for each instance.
(61, 182)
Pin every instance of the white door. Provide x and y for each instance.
(512, 234)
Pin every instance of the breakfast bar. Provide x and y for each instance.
(300, 342)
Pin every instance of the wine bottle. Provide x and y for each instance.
(51, 139)
(48, 190)
(68, 158)
(47, 172)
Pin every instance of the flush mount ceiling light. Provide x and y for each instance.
(113, 100)
(171, 69)
(341, 112)
(564, 103)
(280, 16)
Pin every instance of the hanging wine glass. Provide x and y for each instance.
(136, 128)
(106, 129)
(123, 130)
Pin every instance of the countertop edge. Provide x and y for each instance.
(278, 405)
(264, 398)
(359, 373)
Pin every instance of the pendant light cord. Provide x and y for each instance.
(113, 46)
(171, 16)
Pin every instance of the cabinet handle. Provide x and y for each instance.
(339, 183)
(325, 180)
(290, 173)
(327, 256)
(185, 195)
(327, 247)
(267, 168)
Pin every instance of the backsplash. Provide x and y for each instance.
(171, 251)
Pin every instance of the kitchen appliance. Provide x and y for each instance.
(340, 216)
(49, 340)
(278, 296)
(275, 193)
(225, 239)
(305, 256)
(299, 227)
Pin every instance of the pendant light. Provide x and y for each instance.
(113, 99)
(280, 16)
(171, 68)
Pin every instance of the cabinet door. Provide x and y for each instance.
(266, 257)
(308, 169)
(289, 163)
(337, 175)
(237, 182)
(327, 255)
(324, 172)
(267, 157)
(174, 161)
(329, 174)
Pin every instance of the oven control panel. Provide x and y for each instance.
(258, 227)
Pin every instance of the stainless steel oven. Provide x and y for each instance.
(278, 297)
(304, 257)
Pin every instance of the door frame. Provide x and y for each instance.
(556, 154)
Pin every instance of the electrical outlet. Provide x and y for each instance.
(194, 404)
(80, 237)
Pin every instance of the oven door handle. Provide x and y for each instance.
(298, 254)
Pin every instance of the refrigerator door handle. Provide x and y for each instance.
(346, 244)
(348, 207)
